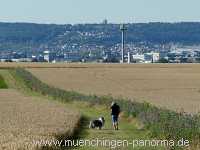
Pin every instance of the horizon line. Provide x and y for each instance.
(101, 22)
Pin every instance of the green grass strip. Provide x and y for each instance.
(3, 84)
(163, 123)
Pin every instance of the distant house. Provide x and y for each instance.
(138, 58)
(49, 56)
(151, 57)
(146, 57)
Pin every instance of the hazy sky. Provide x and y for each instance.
(94, 11)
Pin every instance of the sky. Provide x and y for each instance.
(95, 11)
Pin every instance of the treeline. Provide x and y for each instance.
(185, 32)
(28, 32)
(36, 34)
(163, 124)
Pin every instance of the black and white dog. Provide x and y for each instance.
(97, 123)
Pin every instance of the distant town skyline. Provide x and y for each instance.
(95, 11)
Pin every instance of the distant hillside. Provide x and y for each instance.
(24, 32)
(28, 35)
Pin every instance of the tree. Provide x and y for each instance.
(163, 60)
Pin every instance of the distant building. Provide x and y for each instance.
(151, 57)
(155, 57)
(72, 57)
(146, 57)
(138, 58)
(49, 56)
(22, 60)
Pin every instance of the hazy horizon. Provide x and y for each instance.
(100, 22)
(93, 11)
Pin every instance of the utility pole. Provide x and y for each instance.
(123, 29)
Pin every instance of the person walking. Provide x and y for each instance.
(115, 111)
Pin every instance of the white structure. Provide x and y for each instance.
(146, 57)
(48, 56)
(155, 57)
(152, 57)
(129, 58)
(22, 60)
(138, 58)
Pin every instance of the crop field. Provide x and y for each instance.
(24, 120)
(31, 118)
(174, 86)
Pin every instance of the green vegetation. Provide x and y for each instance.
(162, 123)
(28, 36)
(3, 84)
(163, 60)
(130, 128)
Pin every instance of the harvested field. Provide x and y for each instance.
(175, 86)
(24, 120)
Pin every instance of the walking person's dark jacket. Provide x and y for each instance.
(115, 110)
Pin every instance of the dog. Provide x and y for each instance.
(97, 123)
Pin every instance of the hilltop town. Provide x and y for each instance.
(146, 42)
